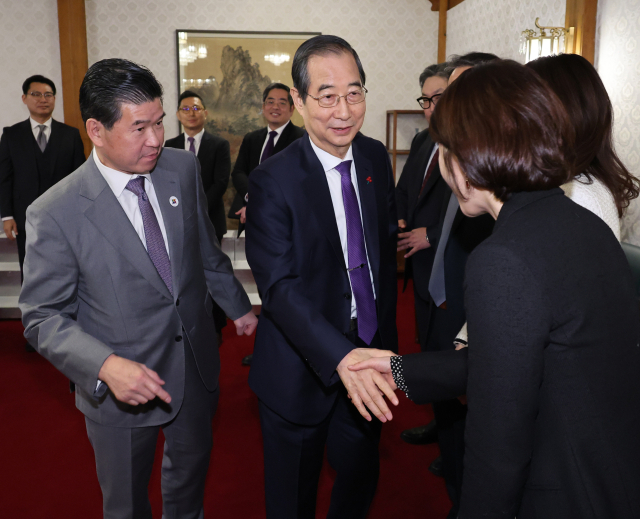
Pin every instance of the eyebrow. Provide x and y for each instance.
(354, 83)
(140, 121)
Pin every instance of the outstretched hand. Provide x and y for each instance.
(367, 387)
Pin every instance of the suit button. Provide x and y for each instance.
(347, 295)
(179, 338)
(178, 302)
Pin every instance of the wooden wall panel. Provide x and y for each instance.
(73, 57)
(442, 31)
(581, 15)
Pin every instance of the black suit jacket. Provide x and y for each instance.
(294, 250)
(249, 158)
(19, 180)
(421, 209)
(553, 385)
(215, 164)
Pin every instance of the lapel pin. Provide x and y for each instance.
(369, 180)
(173, 201)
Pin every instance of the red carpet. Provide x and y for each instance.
(48, 469)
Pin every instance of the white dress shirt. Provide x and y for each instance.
(197, 139)
(334, 179)
(36, 130)
(118, 181)
(275, 139)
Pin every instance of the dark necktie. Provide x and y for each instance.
(42, 138)
(358, 266)
(268, 149)
(436, 281)
(152, 233)
(192, 146)
(430, 169)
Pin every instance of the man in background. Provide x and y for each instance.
(259, 145)
(215, 166)
(420, 194)
(34, 155)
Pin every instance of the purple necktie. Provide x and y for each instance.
(268, 149)
(358, 265)
(192, 147)
(152, 233)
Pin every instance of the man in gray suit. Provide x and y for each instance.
(120, 257)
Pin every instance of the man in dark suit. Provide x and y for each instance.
(120, 259)
(259, 145)
(419, 195)
(34, 155)
(215, 164)
(321, 242)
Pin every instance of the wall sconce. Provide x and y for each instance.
(535, 46)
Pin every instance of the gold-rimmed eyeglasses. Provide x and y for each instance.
(194, 108)
(330, 100)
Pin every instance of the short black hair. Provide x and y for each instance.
(471, 59)
(37, 79)
(190, 93)
(437, 70)
(319, 46)
(109, 83)
(281, 86)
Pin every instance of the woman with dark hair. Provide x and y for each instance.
(603, 184)
(553, 384)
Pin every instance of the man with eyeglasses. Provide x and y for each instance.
(259, 145)
(34, 155)
(215, 165)
(321, 242)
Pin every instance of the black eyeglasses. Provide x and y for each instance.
(424, 100)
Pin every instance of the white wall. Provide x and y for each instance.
(496, 25)
(618, 62)
(395, 39)
(30, 45)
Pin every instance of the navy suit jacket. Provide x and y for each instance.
(215, 166)
(295, 254)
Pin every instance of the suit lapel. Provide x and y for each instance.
(435, 174)
(316, 189)
(108, 217)
(55, 142)
(285, 138)
(369, 208)
(166, 187)
(28, 141)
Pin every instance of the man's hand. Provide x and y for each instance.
(415, 240)
(246, 324)
(131, 382)
(366, 387)
(10, 229)
(402, 224)
(243, 214)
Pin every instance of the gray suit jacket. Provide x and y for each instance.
(90, 288)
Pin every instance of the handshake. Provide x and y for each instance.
(366, 373)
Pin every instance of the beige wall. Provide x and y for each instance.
(395, 39)
(618, 62)
(30, 45)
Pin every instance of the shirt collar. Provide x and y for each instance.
(117, 180)
(278, 130)
(35, 124)
(329, 161)
(197, 138)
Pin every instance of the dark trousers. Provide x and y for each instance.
(219, 317)
(124, 457)
(450, 415)
(293, 456)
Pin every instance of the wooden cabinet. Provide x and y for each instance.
(417, 123)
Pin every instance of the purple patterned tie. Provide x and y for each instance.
(152, 233)
(192, 147)
(358, 265)
(268, 149)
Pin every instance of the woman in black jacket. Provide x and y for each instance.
(553, 384)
